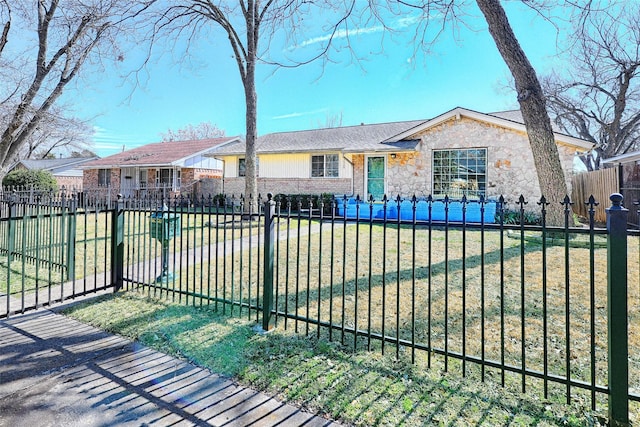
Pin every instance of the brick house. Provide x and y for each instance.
(458, 152)
(66, 171)
(164, 168)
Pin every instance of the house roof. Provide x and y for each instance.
(55, 165)
(508, 119)
(632, 157)
(393, 136)
(349, 138)
(173, 153)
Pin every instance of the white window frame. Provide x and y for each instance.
(104, 177)
(174, 178)
(325, 164)
(458, 179)
(143, 178)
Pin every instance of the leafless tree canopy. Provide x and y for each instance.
(43, 47)
(204, 130)
(57, 133)
(598, 96)
(251, 27)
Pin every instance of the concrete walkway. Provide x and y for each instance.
(55, 371)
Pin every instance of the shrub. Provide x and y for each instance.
(513, 217)
(304, 200)
(40, 180)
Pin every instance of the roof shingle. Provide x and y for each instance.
(348, 138)
(160, 153)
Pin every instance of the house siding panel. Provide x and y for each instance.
(285, 166)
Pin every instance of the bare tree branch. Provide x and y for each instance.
(67, 34)
(204, 130)
(599, 99)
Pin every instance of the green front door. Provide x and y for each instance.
(375, 177)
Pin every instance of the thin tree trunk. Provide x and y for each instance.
(533, 106)
(251, 97)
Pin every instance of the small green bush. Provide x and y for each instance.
(304, 200)
(40, 180)
(513, 217)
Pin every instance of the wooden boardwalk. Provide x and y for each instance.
(57, 371)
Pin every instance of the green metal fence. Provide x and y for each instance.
(51, 250)
(462, 285)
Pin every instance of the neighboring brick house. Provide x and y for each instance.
(67, 171)
(459, 152)
(166, 168)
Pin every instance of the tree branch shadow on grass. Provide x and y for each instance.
(361, 387)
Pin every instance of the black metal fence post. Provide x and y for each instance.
(617, 319)
(117, 245)
(269, 237)
(11, 229)
(71, 238)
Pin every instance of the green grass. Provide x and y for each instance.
(361, 388)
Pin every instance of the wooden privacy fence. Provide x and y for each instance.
(600, 184)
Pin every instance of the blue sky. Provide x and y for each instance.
(465, 70)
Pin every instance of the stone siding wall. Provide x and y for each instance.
(408, 168)
(510, 166)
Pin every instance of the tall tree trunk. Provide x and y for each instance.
(251, 175)
(533, 106)
(251, 97)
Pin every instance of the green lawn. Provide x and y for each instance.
(361, 388)
(358, 276)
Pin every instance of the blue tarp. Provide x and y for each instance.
(365, 210)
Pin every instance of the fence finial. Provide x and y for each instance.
(616, 201)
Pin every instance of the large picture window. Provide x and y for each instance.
(458, 173)
(325, 166)
(104, 177)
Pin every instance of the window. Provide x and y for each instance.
(104, 177)
(242, 167)
(166, 178)
(143, 178)
(326, 166)
(458, 173)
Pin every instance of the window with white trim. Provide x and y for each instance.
(143, 177)
(168, 178)
(104, 177)
(458, 173)
(242, 167)
(325, 166)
